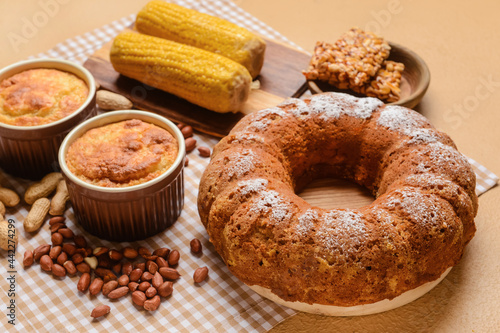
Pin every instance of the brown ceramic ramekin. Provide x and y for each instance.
(31, 151)
(133, 212)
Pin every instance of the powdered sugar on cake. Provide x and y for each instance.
(402, 120)
(293, 104)
(384, 220)
(445, 157)
(420, 208)
(261, 124)
(441, 155)
(271, 204)
(242, 137)
(305, 224)
(424, 135)
(429, 179)
(243, 163)
(339, 226)
(332, 107)
(263, 121)
(252, 186)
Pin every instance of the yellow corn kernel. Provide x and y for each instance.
(201, 77)
(179, 24)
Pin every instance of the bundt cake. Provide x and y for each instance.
(414, 231)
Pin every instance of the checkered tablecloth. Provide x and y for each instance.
(221, 304)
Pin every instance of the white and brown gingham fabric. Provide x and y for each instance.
(221, 304)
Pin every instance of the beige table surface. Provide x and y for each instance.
(459, 40)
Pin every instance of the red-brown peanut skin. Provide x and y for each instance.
(28, 259)
(152, 304)
(139, 298)
(84, 282)
(100, 311)
(200, 274)
(118, 292)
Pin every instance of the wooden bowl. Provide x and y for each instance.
(415, 78)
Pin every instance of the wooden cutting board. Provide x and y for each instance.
(280, 78)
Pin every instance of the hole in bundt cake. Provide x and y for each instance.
(329, 193)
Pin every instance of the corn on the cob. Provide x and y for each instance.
(201, 77)
(170, 21)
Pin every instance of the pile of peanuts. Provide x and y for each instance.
(147, 276)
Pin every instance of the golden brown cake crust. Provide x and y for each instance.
(122, 154)
(417, 227)
(40, 96)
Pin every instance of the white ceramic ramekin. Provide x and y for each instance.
(133, 212)
(31, 151)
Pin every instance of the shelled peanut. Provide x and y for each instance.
(187, 133)
(100, 310)
(191, 143)
(200, 274)
(147, 276)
